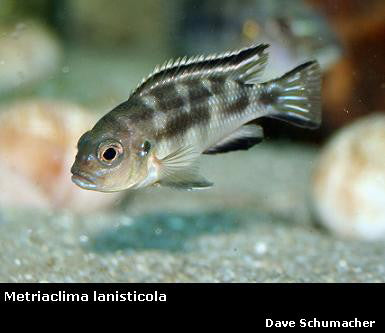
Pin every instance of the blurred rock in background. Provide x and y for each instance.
(349, 180)
(37, 148)
(29, 52)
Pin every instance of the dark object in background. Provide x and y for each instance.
(354, 82)
(296, 32)
(355, 86)
(47, 11)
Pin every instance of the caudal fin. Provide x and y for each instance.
(296, 96)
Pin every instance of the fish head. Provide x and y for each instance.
(110, 160)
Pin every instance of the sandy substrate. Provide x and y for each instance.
(255, 225)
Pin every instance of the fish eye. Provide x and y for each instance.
(146, 147)
(109, 152)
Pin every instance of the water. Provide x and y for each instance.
(255, 225)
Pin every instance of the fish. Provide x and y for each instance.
(189, 107)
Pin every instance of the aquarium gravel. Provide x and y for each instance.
(254, 226)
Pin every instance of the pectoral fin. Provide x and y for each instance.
(187, 179)
(179, 170)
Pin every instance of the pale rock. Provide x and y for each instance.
(37, 148)
(28, 52)
(349, 181)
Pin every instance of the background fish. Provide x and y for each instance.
(189, 107)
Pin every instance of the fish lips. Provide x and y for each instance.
(83, 180)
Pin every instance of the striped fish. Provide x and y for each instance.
(189, 107)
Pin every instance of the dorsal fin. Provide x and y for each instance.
(241, 65)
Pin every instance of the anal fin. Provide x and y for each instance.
(242, 139)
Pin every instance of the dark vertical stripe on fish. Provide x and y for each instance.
(238, 106)
(179, 123)
(198, 93)
(217, 85)
(136, 110)
(144, 114)
(167, 97)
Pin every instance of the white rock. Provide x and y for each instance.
(28, 52)
(37, 148)
(349, 181)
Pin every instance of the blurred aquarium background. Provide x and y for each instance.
(303, 206)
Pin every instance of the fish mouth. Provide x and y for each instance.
(84, 181)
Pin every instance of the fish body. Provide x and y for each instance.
(190, 107)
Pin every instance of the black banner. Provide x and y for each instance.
(266, 305)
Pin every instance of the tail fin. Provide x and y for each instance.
(296, 96)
